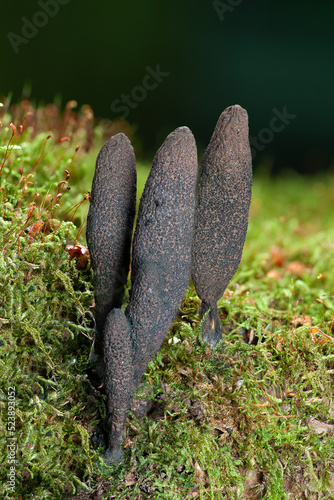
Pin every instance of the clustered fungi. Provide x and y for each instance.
(189, 223)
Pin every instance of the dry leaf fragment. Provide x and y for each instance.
(199, 473)
(249, 301)
(290, 393)
(194, 492)
(296, 267)
(130, 480)
(274, 274)
(35, 228)
(219, 425)
(279, 346)
(305, 320)
(277, 256)
(321, 427)
(79, 252)
(254, 485)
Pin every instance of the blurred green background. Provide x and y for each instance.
(273, 58)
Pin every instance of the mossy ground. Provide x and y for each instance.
(254, 422)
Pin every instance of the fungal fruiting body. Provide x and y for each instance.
(109, 227)
(160, 271)
(223, 195)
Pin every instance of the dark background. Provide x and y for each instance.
(263, 55)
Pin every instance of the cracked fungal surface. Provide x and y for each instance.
(223, 195)
(109, 227)
(161, 264)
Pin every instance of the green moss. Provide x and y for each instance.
(217, 419)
